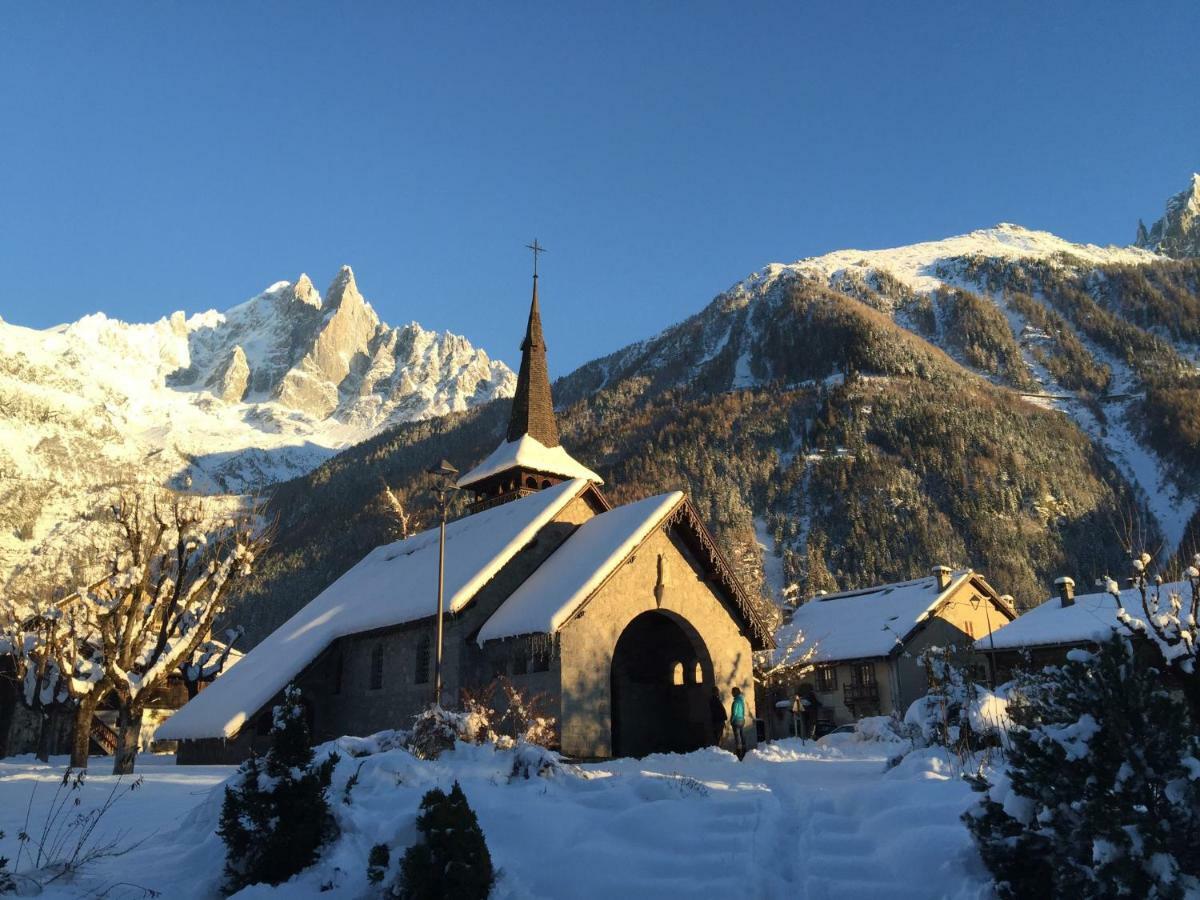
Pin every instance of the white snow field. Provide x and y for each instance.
(794, 820)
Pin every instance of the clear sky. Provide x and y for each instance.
(165, 156)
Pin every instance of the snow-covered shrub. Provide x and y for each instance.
(524, 720)
(531, 760)
(377, 863)
(1101, 796)
(948, 714)
(276, 814)
(8, 884)
(879, 728)
(436, 729)
(451, 859)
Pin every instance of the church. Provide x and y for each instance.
(626, 618)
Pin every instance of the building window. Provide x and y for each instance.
(677, 674)
(864, 674)
(520, 662)
(421, 672)
(377, 667)
(826, 679)
(339, 670)
(698, 674)
(540, 661)
(970, 629)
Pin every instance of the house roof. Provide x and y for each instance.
(1090, 619)
(391, 585)
(529, 453)
(862, 624)
(565, 581)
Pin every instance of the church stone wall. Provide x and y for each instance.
(589, 639)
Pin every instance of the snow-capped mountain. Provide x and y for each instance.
(222, 403)
(1177, 233)
(1044, 299)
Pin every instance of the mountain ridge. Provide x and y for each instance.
(216, 403)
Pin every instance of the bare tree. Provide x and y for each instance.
(170, 569)
(1170, 612)
(403, 523)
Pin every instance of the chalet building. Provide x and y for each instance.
(856, 652)
(1045, 634)
(627, 618)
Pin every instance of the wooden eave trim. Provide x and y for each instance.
(685, 515)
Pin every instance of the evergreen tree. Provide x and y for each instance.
(1102, 793)
(276, 814)
(451, 859)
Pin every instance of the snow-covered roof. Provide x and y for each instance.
(530, 453)
(859, 624)
(392, 584)
(1091, 618)
(581, 565)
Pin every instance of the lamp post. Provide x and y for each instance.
(444, 472)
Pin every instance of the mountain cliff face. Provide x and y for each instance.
(1177, 233)
(1004, 399)
(220, 403)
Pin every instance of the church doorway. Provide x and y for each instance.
(662, 679)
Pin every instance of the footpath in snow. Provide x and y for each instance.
(793, 820)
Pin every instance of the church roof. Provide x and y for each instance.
(565, 581)
(392, 584)
(529, 453)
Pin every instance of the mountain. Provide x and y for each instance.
(1177, 233)
(219, 403)
(1003, 399)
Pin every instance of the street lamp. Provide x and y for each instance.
(445, 473)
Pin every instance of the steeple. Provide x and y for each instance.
(532, 406)
(531, 457)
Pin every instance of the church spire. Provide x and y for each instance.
(532, 406)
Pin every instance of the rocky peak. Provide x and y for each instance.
(304, 292)
(342, 289)
(1177, 233)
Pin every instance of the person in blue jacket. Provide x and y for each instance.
(737, 721)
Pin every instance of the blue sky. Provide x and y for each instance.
(184, 156)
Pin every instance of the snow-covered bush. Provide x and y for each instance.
(276, 813)
(451, 859)
(1101, 796)
(524, 720)
(955, 713)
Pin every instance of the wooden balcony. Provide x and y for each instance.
(853, 694)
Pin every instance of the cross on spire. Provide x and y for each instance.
(536, 248)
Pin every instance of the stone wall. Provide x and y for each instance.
(589, 639)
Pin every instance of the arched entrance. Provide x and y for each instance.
(662, 679)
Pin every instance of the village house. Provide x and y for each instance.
(627, 619)
(1045, 634)
(855, 653)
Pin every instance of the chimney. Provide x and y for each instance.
(1066, 590)
(942, 574)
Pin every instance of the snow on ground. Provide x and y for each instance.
(795, 820)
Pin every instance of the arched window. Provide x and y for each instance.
(377, 667)
(424, 651)
(530, 481)
(698, 675)
(545, 483)
(677, 675)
